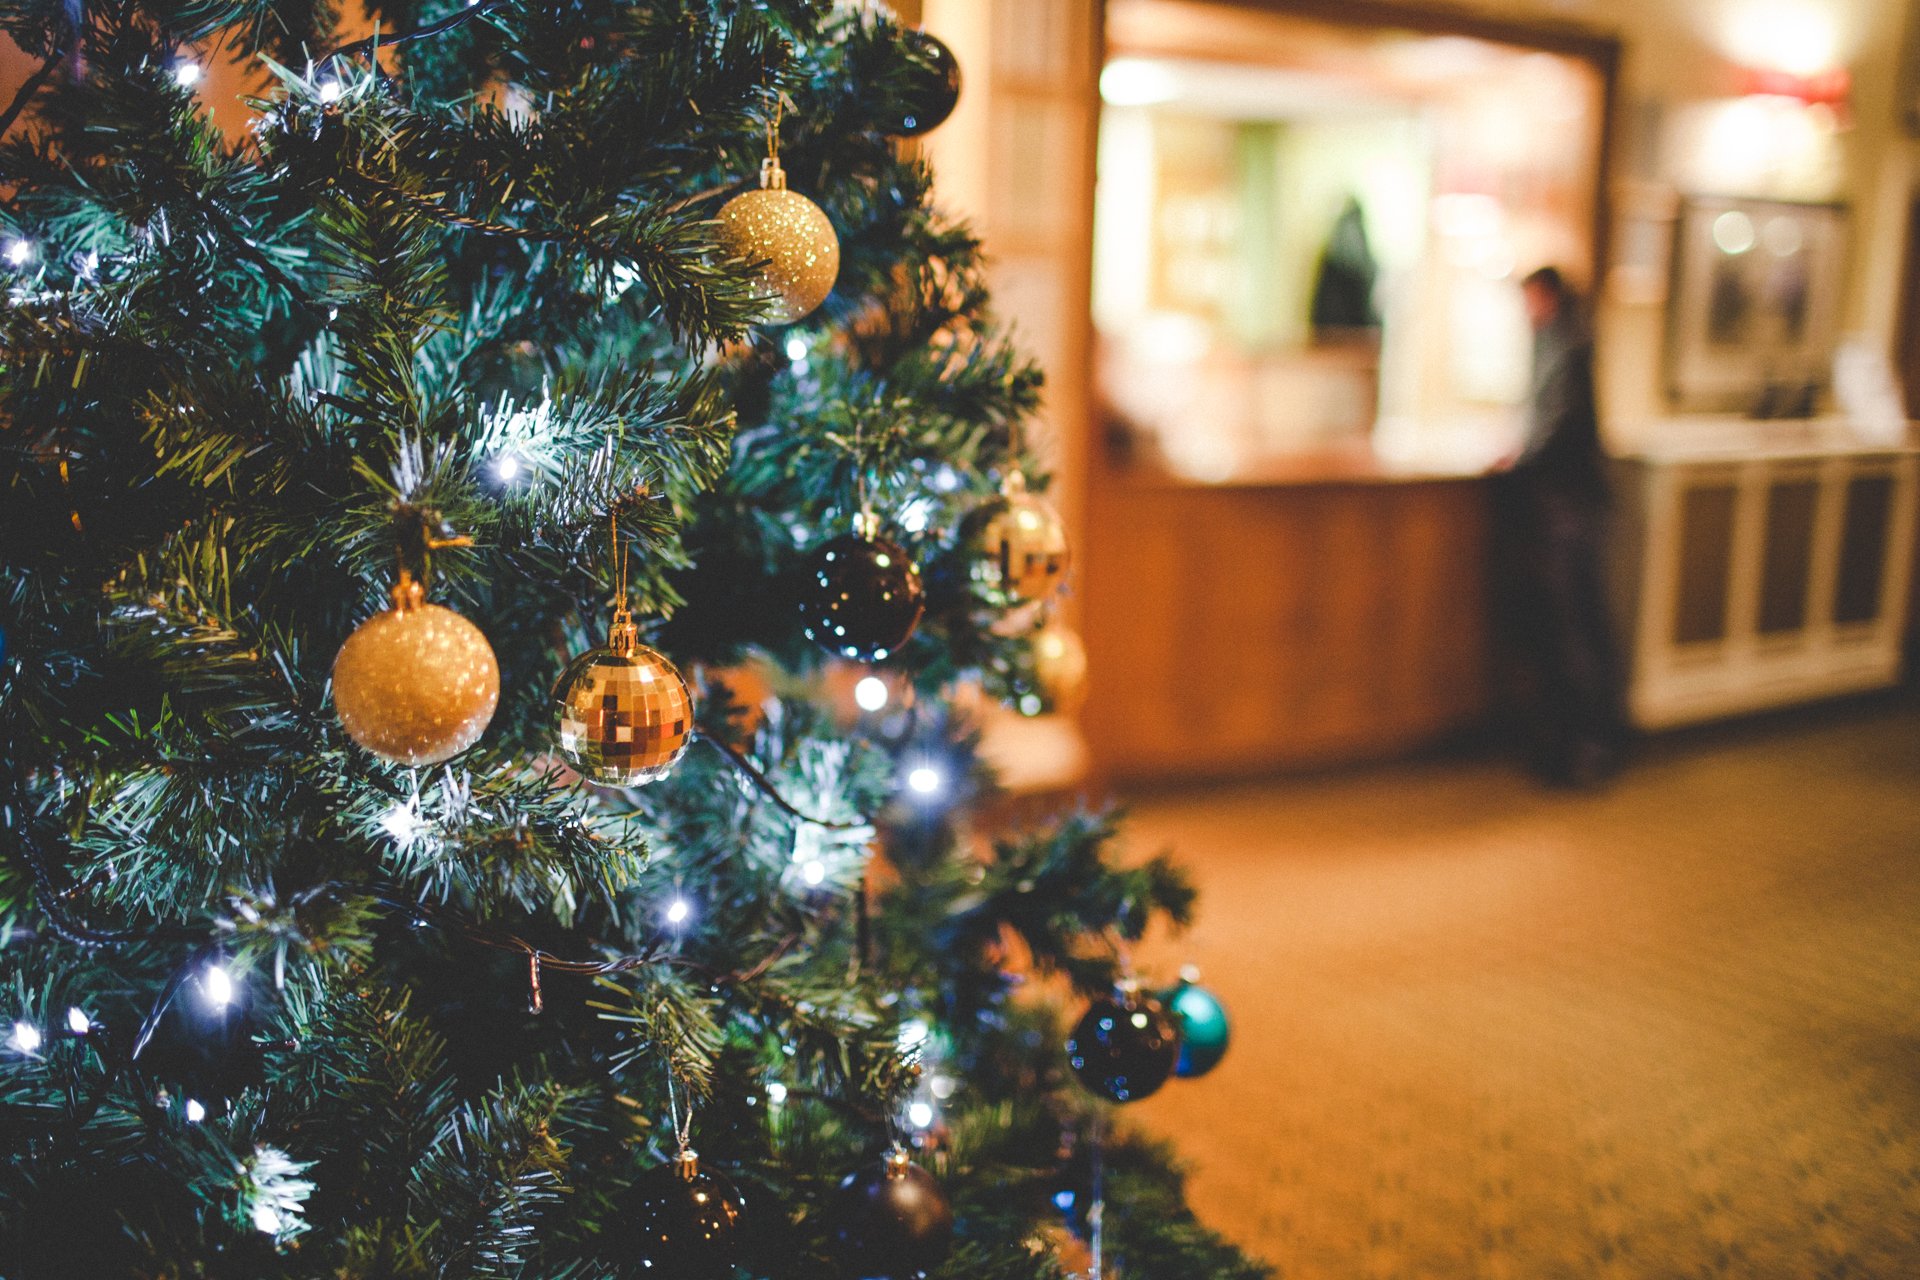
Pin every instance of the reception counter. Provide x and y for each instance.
(1331, 612)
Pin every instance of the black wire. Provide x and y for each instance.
(762, 783)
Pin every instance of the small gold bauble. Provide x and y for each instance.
(1060, 667)
(624, 714)
(1020, 550)
(415, 684)
(789, 238)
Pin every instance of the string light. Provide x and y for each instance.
(913, 1034)
(679, 911)
(941, 1087)
(26, 1037)
(870, 693)
(266, 1218)
(186, 74)
(925, 780)
(330, 90)
(217, 985)
(19, 252)
(403, 822)
(78, 1022)
(777, 1093)
(196, 1111)
(920, 1115)
(508, 467)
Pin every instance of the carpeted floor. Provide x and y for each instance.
(1482, 1030)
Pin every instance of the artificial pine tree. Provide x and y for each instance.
(455, 308)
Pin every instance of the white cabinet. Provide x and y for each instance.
(1761, 564)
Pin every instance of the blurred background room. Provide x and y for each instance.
(1270, 254)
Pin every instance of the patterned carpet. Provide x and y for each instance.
(1667, 1030)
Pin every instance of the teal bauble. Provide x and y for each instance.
(1204, 1031)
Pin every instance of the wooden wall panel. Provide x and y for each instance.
(1238, 630)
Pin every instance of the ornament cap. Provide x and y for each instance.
(866, 525)
(1014, 483)
(623, 637)
(898, 1161)
(408, 593)
(687, 1164)
(772, 176)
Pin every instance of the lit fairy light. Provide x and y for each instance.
(196, 1111)
(78, 1022)
(330, 90)
(942, 1087)
(913, 1034)
(19, 252)
(518, 439)
(403, 822)
(925, 780)
(216, 984)
(797, 350)
(186, 74)
(1031, 704)
(920, 1115)
(679, 911)
(813, 872)
(508, 466)
(915, 515)
(266, 1218)
(946, 479)
(777, 1093)
(26, 1038)
(870, 693)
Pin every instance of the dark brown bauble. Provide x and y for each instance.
(862, 597)
(623, 715)
(935, 75)
(684, 1222)
(893, 1221)
(1125, 1047)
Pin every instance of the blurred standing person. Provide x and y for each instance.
(1551, 512)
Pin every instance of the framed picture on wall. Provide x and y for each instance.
(1753, 312)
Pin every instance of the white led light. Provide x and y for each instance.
(678, 911)
(78, 1022)
(19, 252)
(941, 1087)
(796, 349)
(920, 1114)
(26, 1037)
(403, 822)
(813, 872)
(217, 986)
(776, 1093)
(186, 74)
(196, 1112)
(266, 1218)
(330, 90)
(924, 779)
(870, 693)
(913, 1034)
(507, 466)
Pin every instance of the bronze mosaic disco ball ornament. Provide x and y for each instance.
(1125, 1047)
(1019, 543)
(416, 683)
(862, 597)
(789, 241)
(623, 713)
(685, 1222)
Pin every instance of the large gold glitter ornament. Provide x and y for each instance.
(785, 234)
(1019, 546)
(624, 714)
(417, 683)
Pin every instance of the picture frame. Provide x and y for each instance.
(1753, 306)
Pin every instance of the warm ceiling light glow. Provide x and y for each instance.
(1137, 82)
(1799, 37)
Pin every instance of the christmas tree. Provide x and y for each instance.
(436, 522)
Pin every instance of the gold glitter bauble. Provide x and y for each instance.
(1060, 667)
(415, 684)
(791, 240)
(1019, 547)
(624, 714)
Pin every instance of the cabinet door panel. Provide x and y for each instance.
(1788, 559)
(1863, 549)
(1706, 563)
